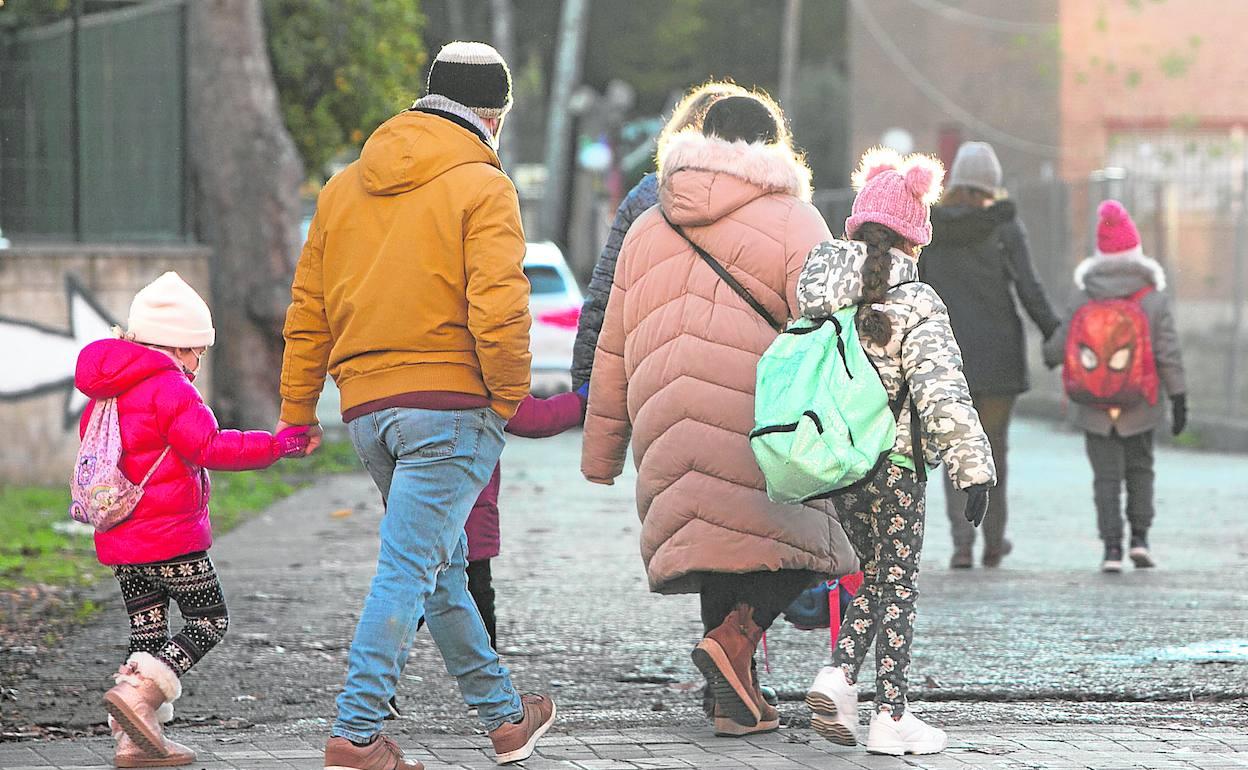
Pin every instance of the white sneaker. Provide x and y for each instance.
(908, 735)
(834, 702)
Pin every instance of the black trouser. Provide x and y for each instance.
(481, 586)
(767, 593)
(1114, 460)
(192, 582)
(994, 414)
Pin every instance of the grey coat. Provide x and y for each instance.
(1107, 277)
(641, 198)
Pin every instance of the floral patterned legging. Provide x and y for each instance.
(189, 580)
(883, 519)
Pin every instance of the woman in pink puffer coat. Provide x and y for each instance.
(674, 376)
(160, 552)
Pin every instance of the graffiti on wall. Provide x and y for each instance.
(39, 359)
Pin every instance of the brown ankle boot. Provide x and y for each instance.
(723, 656)
(144, 684)
(768, 718)
(130, 755)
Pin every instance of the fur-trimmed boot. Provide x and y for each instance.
(130, 755)
(145, 685)
(724, 656)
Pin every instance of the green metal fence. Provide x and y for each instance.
(93, 127)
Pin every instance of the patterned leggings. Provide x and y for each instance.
(884, 521)
(192, 582)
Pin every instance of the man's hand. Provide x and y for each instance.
(315, 435)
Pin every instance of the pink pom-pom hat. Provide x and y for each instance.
(1116, 234)
(896, 192)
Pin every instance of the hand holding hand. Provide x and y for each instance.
(1178, 413)
(977, 504)
(298, 440)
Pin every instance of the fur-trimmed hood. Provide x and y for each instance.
(703, 178)
(1117, 276)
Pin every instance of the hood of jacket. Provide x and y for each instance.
(703, 179)
(108, 368)
(1102, 276)
(415, 147)
(969, 225)
(844, 277)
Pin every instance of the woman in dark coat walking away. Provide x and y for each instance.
(977, 254)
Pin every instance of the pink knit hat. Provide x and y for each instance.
(1116, 235)
(896, 192)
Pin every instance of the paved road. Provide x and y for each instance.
(1045, 641)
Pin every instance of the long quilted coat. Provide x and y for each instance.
(158, 407)
(676, 363)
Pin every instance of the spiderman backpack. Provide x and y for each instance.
(1109, 354)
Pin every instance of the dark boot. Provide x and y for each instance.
(1140, 554)
(1113, 557)
(993, 557)
(724, 656)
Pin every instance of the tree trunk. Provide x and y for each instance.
(246, 174)
(504, 40)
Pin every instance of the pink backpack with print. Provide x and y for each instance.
(102, 496)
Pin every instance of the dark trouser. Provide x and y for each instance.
(767, 593)
(192, 582)
(481, 586)
(1114, 460)
(994, 413)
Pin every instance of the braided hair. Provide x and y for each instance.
(874, 324)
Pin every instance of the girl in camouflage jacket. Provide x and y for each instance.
(904, 329)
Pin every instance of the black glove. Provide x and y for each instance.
(1178, 413)
(976, 504)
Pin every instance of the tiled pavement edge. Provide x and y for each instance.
(998, 748)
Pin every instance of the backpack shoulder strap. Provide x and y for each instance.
(726, 277)
(151, 471)
(917, 456)
(1141, 294)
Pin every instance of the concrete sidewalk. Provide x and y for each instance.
(1100, 748)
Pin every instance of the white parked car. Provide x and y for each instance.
(555, 303)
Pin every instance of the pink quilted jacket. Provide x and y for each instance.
(158, 407)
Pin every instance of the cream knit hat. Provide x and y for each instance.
(168, 312)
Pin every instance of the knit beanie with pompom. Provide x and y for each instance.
(1116, 235)
(896, 192)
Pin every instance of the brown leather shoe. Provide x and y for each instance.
(723, 656)
(381, 754)
(514, 742)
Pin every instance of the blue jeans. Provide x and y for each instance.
(430, 466)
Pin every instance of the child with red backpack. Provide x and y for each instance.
(148, 441)
(1119, 351)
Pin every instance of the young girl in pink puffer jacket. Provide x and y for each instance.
(160, 552)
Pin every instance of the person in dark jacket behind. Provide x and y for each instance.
(977, 254)
(688, 114)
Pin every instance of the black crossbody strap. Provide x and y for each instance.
(727, 278)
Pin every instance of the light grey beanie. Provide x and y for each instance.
(976, 166)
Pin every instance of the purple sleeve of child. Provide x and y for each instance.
(543, 417)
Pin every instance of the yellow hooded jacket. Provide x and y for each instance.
(412, 276)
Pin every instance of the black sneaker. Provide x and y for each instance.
(1113, 559)
(1141, 557)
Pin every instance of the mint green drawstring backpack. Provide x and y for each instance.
(823, 420)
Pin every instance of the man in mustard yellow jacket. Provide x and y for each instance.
(411, 293)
